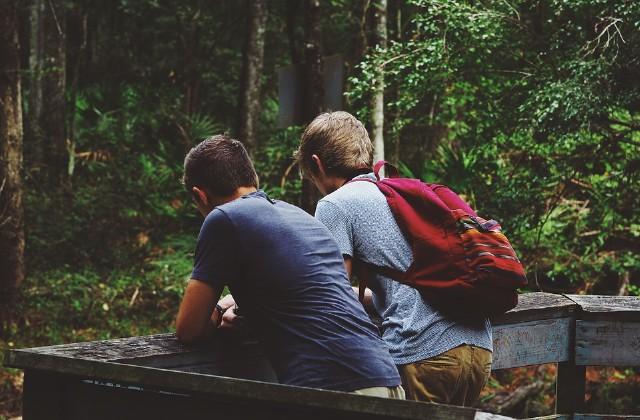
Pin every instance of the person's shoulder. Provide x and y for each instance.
(216, 217)
(358, 191)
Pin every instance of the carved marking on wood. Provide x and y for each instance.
(531, 343)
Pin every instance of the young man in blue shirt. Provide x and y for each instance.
(286, 273)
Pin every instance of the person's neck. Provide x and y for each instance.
(239, 192)
(332, 183)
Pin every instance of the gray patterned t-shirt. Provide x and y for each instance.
(362, 224)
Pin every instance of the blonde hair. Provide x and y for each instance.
(340, 141)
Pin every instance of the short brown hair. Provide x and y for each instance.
(219, 164)
(340, 141)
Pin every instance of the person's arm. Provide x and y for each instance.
(215, 262)
(368, 295)
(197, 318)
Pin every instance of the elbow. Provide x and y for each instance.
(186, 335)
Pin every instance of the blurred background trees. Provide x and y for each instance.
(531, 109)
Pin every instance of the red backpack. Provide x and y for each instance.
(461, 263)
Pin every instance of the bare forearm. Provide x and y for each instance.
(368, 296)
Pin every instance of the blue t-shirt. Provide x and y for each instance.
(287, 275)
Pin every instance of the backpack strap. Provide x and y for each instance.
(364, 270)
(392, 171)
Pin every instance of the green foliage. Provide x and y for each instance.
(67, 305)
(532, 112)
(279, 177)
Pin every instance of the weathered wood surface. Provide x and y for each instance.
(163, 350)
(604, 417)
(480, 415)
(537, 306)
(120, 348)
(607, 343)
(543, 328)
(609, 308)
(216, 388)
(531, 343)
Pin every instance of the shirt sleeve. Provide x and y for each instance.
(216, 252)
(334, 218)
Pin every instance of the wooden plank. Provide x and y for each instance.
(531, 343)
(532, 306)
(536, 306)
(490, 416)
(121, 348)
(608, 308)
(607, 343)
(208, 386)
(604, 417)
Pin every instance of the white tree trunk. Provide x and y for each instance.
(377, 114)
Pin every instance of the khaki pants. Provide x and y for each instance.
(454, 377)
(395, 392)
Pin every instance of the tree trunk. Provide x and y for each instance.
(395, 15)
(292, 12)
(34, 133)
(78, 46)
(53, 117)
(11, 210)
(377, 114)
(313, 88)
(252, 74)
(191, 73)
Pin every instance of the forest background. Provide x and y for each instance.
(529, 108)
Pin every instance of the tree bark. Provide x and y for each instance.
(292, 11)
(53, 117)
(33, 118)
(394, 13)
(78, 46)
(11, 209)
(377, 114)
(191, 73)
(314, 89)
(252, 74)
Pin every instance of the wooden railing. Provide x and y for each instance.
(156, 377)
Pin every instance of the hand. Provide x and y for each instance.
(227, 302)
(231, 320)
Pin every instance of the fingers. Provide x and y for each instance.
(231, 319)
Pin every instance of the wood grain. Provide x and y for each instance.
(531, 343)
(608, 308)
(607, 343)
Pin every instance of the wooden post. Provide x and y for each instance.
(43, 396)
(570, 388)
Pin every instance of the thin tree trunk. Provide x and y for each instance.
(252, 74)
(79, 46)
(11, 209)
(377, 114)
(192, 75)
(53, 120)
(292, 9)
(395, 14)
(313, 88)
(34, 131)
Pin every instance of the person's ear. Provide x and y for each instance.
(319, 165)
(200, 196)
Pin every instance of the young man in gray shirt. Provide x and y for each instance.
(440, 359)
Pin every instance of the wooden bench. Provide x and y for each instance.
(156, 377)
